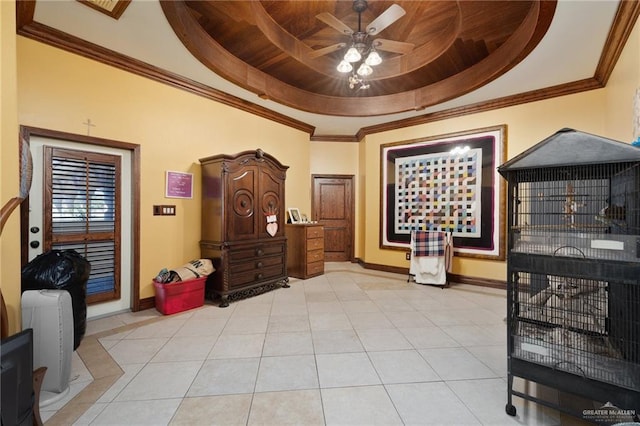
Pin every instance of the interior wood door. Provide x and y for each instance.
(333, 207)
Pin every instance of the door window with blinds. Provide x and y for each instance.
(82, 212)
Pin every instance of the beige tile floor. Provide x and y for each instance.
(350, 347)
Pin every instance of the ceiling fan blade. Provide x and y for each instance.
(388, 17)
(393, 46)
(334, 22)
(326, 50)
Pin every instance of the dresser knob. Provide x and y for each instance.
(259, 252)
(259, 276)
(259, 264)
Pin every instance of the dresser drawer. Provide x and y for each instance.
(316, 244)
(315, 232)
(315, 268)
(315, 255)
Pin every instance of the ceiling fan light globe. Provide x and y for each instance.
(352, 55)
(365, 70)
(344, 66)
(373, 59)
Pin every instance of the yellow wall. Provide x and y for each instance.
(334, 158)
(58, 90)
(9, 168)
(620, 90)
(361, 222)
(173, 128)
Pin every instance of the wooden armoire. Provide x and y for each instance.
(243, 218)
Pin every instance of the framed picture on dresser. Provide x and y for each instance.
(294, 215)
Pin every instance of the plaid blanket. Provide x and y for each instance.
(428, 243)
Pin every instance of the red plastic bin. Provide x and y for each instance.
(179, 296)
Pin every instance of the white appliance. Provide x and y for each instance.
(50, 314)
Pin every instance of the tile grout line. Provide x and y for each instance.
(90, 353)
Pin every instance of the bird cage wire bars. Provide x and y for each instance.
(573, 285)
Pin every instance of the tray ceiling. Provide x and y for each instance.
(277, 58)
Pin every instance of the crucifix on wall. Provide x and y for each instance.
(89, 126)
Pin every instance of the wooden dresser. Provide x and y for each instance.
(243, 219)
(305, 251)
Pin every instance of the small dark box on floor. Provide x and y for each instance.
(179, 296)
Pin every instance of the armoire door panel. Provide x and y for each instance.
(242, 215)
(272, 190)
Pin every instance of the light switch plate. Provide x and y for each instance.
(164, 210)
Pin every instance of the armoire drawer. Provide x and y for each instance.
(240, 279)
(257, 263)
(245, 254)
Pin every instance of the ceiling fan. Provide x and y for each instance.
(360, 39)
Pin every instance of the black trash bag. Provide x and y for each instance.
(62, 270)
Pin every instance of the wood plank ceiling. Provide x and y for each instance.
(272, 48)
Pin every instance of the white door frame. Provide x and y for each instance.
(129, 153)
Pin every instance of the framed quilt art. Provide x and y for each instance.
(446, 183)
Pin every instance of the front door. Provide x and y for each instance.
(333, 207)
(75, 203)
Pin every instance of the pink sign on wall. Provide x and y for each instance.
(179, 185)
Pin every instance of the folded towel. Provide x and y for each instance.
(428, 264)
(428, 270)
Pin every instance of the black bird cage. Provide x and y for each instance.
(573, 269)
